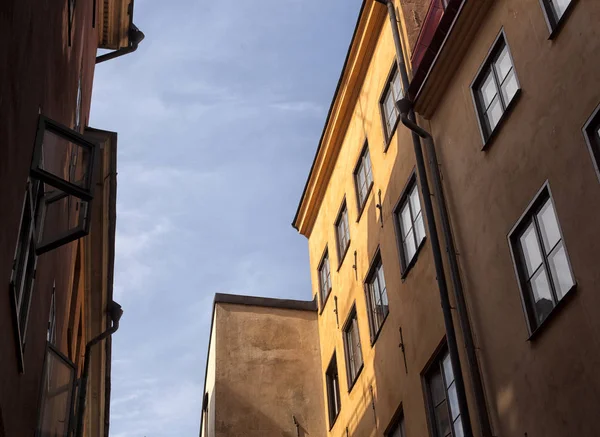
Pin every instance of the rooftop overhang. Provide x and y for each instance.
(115, 18)
(371, 18)
(444, 40)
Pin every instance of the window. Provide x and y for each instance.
(354, 359)
(363, 177)
(495, 87)
(391, 94)
(541, 259)
(554, 11)
(25, 262)
(324, 278)
(342, 232)
(591, 132)
(57, 396)
(333, 391)
(411, 228)
(377, 300)
(442, 399)
(397, 428)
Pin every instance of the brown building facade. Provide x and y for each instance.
(454, 268)
(58, 183)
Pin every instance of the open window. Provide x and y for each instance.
(57, 397)
(63, 163)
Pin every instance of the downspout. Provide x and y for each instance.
(404, 107)
(435, 243)
(136, 36)
(115, 313)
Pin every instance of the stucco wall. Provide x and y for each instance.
(414, 303)
(267, 370)
(39, 74)
(549, 385)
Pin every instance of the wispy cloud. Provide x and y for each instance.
(218, 118)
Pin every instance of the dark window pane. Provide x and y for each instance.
(436, 386)
(442, 419)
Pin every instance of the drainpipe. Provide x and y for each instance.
(136, 36)
(433, 234)
(404, 106)
(115, 313)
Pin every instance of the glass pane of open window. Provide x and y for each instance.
(55, 411)
(64, 219)
(63, 158)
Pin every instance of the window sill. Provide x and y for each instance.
(555, 29)
(325, 302)
(352, 383)
(487, 141)
(413, 260)
(343, 257)
(388, 137)
(553, 314)
(376, 336)
(362, 207)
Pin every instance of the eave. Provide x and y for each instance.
(449, 45)
(115, 18)
(370, 22)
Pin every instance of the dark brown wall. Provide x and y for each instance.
(39, 71)
(548, 385)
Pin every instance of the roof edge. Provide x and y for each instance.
(268, 302)
(331, 106)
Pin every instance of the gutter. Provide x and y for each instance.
(115, 313)
(136, 36)
(483, 416)
(409, 119)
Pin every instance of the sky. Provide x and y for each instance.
(218, 115)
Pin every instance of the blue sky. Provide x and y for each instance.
(219, 114)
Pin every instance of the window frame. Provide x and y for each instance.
(487, 135)
(555, 24)
(406, 265)
(71, 397)
(341, 252)
(592, 138)
(347, 332)
(396, 421)
(542, 197)
(437, 363)
(376, 262)
(388, 135)
(22, 279)
(332, 372)
(324, 257)
(357, 168)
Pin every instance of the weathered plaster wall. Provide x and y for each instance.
(549, 385)
(267, 370)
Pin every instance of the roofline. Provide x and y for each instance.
(335, 96)
(267, 302)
